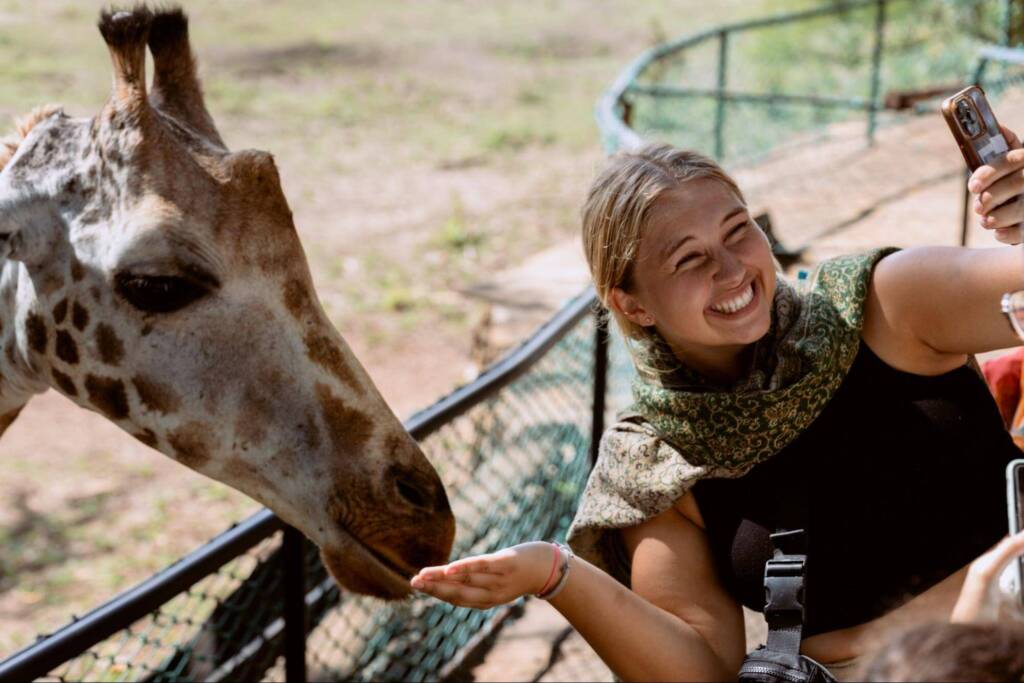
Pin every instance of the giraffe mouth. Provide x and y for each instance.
(388, 563)
(362, 569)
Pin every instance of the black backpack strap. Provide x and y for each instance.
(784, 591)
(780, 661)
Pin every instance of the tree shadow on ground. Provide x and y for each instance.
(37, 541)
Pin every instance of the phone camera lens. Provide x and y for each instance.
(968, 119)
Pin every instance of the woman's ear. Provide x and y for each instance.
(629, 307)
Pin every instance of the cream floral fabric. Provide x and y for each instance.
(682, 429)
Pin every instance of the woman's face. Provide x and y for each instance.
(704, 275)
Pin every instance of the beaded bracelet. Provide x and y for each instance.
(567, 555)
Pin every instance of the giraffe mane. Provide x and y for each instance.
(22, 125)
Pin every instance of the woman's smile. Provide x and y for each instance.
(738, 303)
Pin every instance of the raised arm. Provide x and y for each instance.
(931, 306)
(679, 624)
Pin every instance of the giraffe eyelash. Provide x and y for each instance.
(159, 293)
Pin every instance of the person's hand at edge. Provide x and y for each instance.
(999, 186)
(980, 598)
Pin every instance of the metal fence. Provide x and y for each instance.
(513, 448)
(739, 90)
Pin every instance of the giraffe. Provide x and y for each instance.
(154, 276)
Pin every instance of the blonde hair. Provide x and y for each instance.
(618, 207)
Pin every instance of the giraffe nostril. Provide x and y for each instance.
(413, 493)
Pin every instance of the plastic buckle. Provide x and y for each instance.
(784, 586)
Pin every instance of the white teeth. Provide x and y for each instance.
(733, 305)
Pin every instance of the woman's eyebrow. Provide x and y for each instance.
(672, 246)
(737, 210)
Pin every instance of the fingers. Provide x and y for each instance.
(1005, 552)
(986, 175)
(481, 564)
(1011, 138)
(999, 186)
(1009, 235)
(1006, 216)
(460, 594)
(999, 193)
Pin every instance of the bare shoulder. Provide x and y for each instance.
(895, 313)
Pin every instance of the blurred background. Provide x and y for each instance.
(435, 155)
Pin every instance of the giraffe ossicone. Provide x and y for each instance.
(154, 276)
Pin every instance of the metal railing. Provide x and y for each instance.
(544, 404)
(672, 70)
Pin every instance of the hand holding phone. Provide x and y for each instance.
(991, 153)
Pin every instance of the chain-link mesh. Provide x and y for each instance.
(514, 466)
(828, 61)
(180, 641)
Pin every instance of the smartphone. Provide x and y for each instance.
(974, 126)
(1015, 508)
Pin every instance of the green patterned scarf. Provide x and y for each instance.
(682, 429)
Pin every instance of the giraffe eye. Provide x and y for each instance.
(160, 293)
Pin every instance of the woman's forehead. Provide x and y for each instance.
(693, 207)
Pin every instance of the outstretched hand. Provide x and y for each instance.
(980, 597)
(484, 581)
(998, 186)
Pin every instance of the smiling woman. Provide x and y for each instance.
(840, 409)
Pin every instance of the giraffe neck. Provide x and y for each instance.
(20, 378)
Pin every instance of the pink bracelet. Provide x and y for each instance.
(554, 568)
(567, 556)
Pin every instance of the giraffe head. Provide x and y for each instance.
(157, 278)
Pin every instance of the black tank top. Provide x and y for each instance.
(899, 483)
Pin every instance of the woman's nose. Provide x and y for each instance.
(730, 269)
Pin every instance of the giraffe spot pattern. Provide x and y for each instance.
(147, 437)
(108, 396)
(297, 299)
(156, 396)
(38, 335)
(64, 383)
(109, 345)
(349, 429)
(77, 270)
(67, 350)
(79, 316)
(60, 311)
(321, 350)
(189, 445)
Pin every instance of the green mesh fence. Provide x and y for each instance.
(514, 465)
(834, 72)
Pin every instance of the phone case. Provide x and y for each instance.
(1014, 472)
(974, 126)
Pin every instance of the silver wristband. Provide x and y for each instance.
(567, 556)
